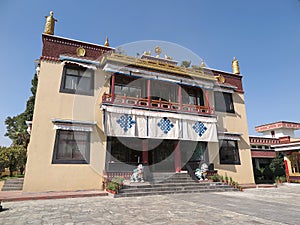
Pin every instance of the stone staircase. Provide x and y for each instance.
(14, 184)
(167, 184)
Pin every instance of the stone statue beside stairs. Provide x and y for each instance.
(138, 174)
(201, 172)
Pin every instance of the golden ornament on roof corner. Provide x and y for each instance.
(202, 63)
(235, 66)
(106, 42)
(50, 23)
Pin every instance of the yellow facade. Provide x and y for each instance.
(52, 104)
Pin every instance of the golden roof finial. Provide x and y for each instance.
(106, 42)
(202, 65)
(235, 66)
(50, 23)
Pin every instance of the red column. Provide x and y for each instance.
(177, 159)
(286, 170)
(112, 88)
(207, 100)
(149, 92)
(180, 97)
(145, 151)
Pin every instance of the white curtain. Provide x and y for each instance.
(126, 124)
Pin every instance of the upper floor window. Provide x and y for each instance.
(224, 102)
(71, 147)
(229, 152)
(77, 80)
(192, 96)
(128, 86)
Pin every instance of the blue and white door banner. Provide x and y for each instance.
(126, 122)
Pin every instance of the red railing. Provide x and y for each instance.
(157, 104)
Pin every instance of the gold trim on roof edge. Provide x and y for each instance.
(156, 65)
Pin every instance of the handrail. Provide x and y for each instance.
(161, 104)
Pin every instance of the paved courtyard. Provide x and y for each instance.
(253, 206)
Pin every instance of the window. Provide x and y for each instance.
(224, 102)
(192, 96)
(71, 147)
(229, 152)
(77, 80)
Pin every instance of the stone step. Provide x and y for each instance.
(197, 184)
(174, 188)
(136, 194)
(14, 184)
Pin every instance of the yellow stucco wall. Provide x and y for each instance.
(41, 174)
(235, 123)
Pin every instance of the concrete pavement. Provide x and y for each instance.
(253, 206)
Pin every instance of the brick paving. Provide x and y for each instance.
(253, 206)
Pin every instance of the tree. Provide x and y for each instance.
(2, 160)
(277, 166)
(16, 126)
(14, 158)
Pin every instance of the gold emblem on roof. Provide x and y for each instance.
(221, 79)
(157, 50)
(80, 51)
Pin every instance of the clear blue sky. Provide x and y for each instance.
(263, 34)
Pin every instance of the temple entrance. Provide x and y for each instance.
(161, 155)
(193, 154)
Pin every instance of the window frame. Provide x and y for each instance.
(63, 88)
(71, 161)
(223, 149)
(228, 107)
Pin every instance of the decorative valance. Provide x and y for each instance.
(158, 125)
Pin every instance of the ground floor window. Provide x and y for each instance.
(71, 147)
(229, 152)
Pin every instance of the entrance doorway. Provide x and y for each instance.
(161, 155)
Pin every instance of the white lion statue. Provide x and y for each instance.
(138, 174)
(201, 172)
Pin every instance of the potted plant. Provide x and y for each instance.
(112, 187)
(226, 178)
(119, 181)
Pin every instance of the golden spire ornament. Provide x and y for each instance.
(50, 23)
(202, 65)
(235, 66)
(106, 42)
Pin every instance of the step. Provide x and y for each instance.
(133, 186)
(175, 188)
(173, 192)
(13, 184)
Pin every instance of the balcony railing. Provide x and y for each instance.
(155, 104)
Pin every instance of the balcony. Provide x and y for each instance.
(156, 104)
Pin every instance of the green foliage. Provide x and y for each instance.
(277, 166)
(16, 128)
(215, 178)
(118, 180)
(186, 64)
(268, 173)
(13, 157)
(112, 186)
